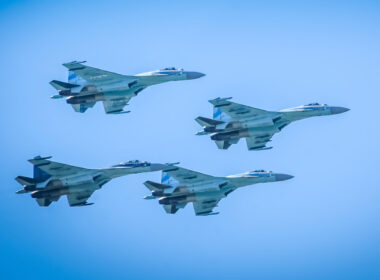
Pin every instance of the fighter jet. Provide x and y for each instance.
(232, 121)
(87, 85)
(180, 186)
(52, 179)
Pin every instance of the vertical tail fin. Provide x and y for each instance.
(218, 114)
(168, 180)
(39, 174)
(75, 79)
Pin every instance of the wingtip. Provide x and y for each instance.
(73, 62)
(172, 163)
(261, 148)
(40, 158)
(208, 214)
(82, 204)
(220, 99)
(118, 112)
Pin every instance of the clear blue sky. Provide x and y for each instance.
(323, 224)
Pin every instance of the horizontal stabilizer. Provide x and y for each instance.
(25, 181)
(224, 145)
(43, 201)
(58, 85)
(46, 201)
(156, 186)
(81, 108)
(170, 209)
(207, 122)
(173, 208)
(202, 132)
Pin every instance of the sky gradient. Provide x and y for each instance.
(322, 224)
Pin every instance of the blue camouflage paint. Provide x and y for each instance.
(165, 177)
(39, 174)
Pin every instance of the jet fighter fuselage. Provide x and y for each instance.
(180, 186)
(51, 179)
(88, 85)
(232, 121)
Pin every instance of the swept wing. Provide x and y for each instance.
(80, 198)
(183, 176)
(116, 106)
(97, 76)
(237, 111)
(57, 169)
(205, 207)
(258, 142)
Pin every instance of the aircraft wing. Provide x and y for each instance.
(183, 176)
(79, 198)
(235, 110)
(205, 207)
(74, 199)
(97, 76)
(81, 108)
(115, 106)
(258, 142)
(55, 168)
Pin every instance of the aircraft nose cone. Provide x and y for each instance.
(157, 166)
(338, 110)
(283, 177)
(194, 75)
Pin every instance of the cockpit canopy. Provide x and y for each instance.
(259, 173)
(315, 104)
(132, 163)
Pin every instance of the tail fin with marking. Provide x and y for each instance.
(73, 77)
(39, 175)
